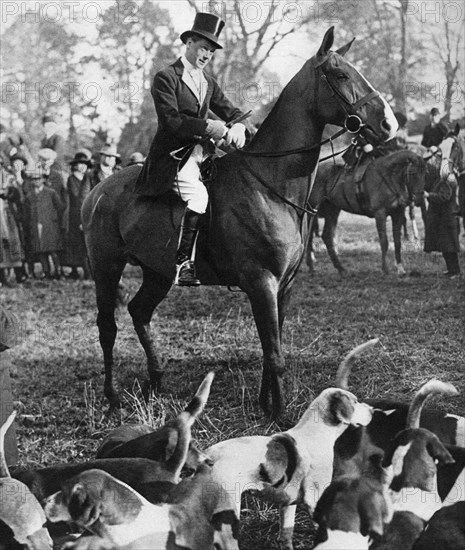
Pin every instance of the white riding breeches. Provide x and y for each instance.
(188, 184)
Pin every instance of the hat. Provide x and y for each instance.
(85, 152)
(81, 158)
(47, 154)
(9, 329)
(18, 156)
(206, 25)
(109, 150)
(48, 118)
(434, 111)
(136, 158)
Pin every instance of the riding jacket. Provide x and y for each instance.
(182, 120)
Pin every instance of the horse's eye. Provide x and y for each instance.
(342, 76)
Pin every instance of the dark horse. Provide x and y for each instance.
(387, 185)
(257, 227)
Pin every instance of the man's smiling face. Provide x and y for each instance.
(199, 51)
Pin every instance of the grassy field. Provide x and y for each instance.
(58, 380)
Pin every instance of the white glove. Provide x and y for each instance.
(236, 135)
(216, 129)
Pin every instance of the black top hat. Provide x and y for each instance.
(206, 25)
(434, 111)
(81, 158)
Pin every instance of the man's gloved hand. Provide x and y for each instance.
(236, 135)
(216, 129)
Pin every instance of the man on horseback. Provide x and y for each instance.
(183, 95)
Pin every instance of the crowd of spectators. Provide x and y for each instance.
(40, 203)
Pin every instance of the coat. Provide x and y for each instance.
(43, 213)
(181, 121)
(75, 253)
(11, 245)
(433, 135)
(441, 223)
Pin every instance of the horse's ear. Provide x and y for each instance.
(457, 129)
(344, 49)
(327, 42)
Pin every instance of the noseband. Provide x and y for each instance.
(353, 123)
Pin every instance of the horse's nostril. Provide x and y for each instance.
(385, 125)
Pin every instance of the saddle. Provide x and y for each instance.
(356, 165)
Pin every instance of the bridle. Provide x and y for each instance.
(353, 124)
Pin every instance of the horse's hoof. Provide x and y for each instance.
(153, 385)
(113, 398)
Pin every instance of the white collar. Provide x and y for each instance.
(188, 65)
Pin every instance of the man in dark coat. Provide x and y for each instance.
(183, 95)
(436, 131)
(441, 223)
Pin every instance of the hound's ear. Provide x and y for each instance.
(343, 408)
(374, 513)
(438, 452)
(456, 130)
(82, 510)
(344, 49)
(326, 44)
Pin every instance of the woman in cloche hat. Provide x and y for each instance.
(183, 95)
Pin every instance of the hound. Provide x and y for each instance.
(22, 520)
(294, 466)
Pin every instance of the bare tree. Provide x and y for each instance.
(449, 50)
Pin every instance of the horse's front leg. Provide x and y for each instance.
(107, 276)
(329, 237)
(380, 218)
(262, 291)
(397, 217)
(152, 291)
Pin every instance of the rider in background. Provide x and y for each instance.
(183, 95)
(436, 131)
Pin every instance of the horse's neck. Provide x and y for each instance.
(288, 127)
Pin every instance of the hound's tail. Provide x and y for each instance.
(343, 372)
(199, 401)
(183, 424)
(4, 472)
(426, 391)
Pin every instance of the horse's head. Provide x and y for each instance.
(451, 154)
(447, 158)
(345, 98)
(415, 178)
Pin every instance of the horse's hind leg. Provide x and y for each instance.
(153, 290)
(106, 284)
(380, 218)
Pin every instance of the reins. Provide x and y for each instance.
(352, 124)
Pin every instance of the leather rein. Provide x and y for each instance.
(352, 124)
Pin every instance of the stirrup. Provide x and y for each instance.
(185, 274)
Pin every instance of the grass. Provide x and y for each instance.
(57, 370)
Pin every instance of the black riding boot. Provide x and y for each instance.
(185, 270)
